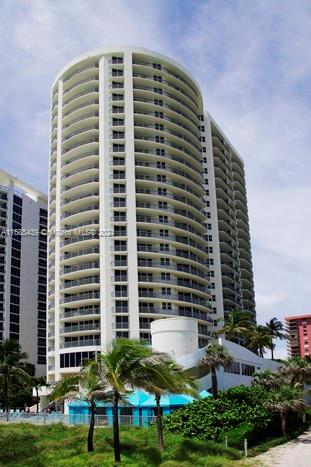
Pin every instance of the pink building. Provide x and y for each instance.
(299, 330)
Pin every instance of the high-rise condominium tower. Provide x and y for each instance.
(23, 256)
(128, 134)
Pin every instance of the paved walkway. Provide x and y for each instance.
(295, 453)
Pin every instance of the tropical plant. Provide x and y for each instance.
(164, 376)
(124, 366)
(88, 386)
(268, 379)
(12, 363)
(297, 370)
(276, 331)
(258, 339)
(284, 400)
(237, 324)
(211, 418)
(216, 356)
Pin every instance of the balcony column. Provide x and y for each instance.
(131, 198)
(105, 243)
(57, 227)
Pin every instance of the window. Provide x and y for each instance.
(165, 276)
(117, 60)
(164, 233)
(233, 368)
(159, 114)
(247, 370)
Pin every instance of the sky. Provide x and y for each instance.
(253, 63)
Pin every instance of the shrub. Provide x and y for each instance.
(213, 418)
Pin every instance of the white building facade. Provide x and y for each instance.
(23, 266)
(129, 205)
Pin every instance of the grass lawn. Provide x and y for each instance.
(57, 445)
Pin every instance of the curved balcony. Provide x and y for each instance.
(141, 78)
(143, 66)
(141, 149)
(80, 270)
(175, 213)
(168, 143)
(76, 136)
(82, 343)
(78, 111)
(79, 87)
(88, 199)
(87, 175)
(155, 250)
(182, 269)
(154, 296)
(148, 167)
(179, 189)
(81, 147)
(86, 119)
(147, 194)
(79, 73)
(83, 298)
(90, 93)
(80, 329)
(81, 285)
(140, 89)
(76, 256)
(183, 286)
(173, 227)
(76, 314)
(173, 135)
(147, 104)
(173, 124)
(174, 240)
(79, 241)
(79, 210)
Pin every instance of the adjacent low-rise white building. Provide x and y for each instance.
(23, 265)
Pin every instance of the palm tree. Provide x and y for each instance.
(258, 339)
(12, 361)
(297, 370)
(268, 379)
(215, 357)
(276, 331)
(124, 367)
(37, 382)
(164, 376)
(87, 386)
(284, 400)
(237, 324)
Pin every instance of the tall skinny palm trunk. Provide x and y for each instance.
(272, 352)
(159, 423)
(37, 396)
(90, 444)
(214, 381)
(284, 424)
(6, 393)
(116, 431)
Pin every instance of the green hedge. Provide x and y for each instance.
(237, 413)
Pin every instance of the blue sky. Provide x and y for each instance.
(252, 60)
